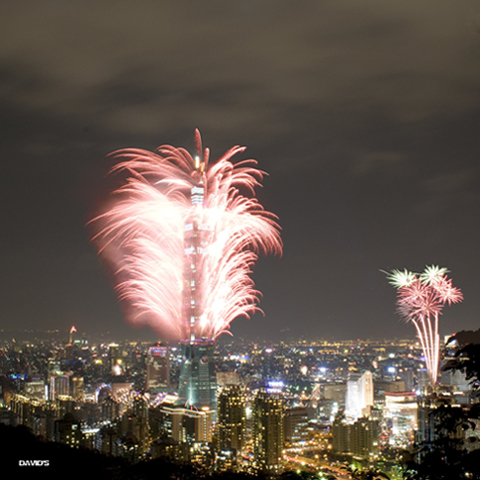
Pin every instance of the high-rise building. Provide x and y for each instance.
(158, 368)
(35, 387)
(187, 426)
(359, 398)
(59, 386)
(364, 438)
(359, 438)
(231, 418)
(268, 436)
(77, 388)
(134, 427)
(341, 437)
(114, 359)
(197, 384)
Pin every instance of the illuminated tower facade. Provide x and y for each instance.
(359, 397)
(182, 238)
(197, 383)
(268, 436)
(114, 358)
(231, 418)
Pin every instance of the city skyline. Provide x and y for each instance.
(363, 116)
(278, 408)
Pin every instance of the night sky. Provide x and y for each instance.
(365, 114)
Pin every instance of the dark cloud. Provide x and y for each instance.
(365, 114)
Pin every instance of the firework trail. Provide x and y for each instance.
(182, 237)
(421, 298)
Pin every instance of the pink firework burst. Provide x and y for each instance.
(418, 299)
(447, 292)
(182, 238)
(421, 300)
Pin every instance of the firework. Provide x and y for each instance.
(421, 298)
(182, 237)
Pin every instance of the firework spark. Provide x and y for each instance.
(421, 298)
(182, 238)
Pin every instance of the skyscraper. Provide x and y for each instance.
(359, 438)
(158, 368)
(364, 437)
(114, 358)
(231, 418)
(197, 385)
(268, 437)
(359, 397)
(183, 237)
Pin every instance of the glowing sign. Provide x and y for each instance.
(275, 386)
(158, 351)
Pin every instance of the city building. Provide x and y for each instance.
(114, 359)
(134, 428)
(67, 430)
(296, 425)
(35, 387)
(231, 418)
(341, 437)
(268, 435)
(59, 386)
(460, 387)
(359, 439)
(359, 397)
(77, 388)
(158, 368)
(336, 392)
(364, 438)
(186, 425)
(90, 407)
(382, 387)
(197, 384)
(401, 416)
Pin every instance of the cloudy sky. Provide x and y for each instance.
(365, 114)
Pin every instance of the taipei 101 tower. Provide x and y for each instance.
(197, 385)
(181, 237)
